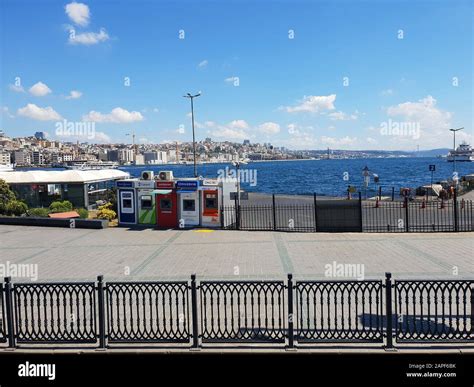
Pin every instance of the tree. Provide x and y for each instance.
(6, 196)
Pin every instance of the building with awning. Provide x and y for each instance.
(83, 188)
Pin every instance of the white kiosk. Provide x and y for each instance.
(188, 202)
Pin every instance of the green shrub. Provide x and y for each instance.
(39, 212)
(83, 213)
(6, 196)
(16, 207)
(105, 213)
(60, 206)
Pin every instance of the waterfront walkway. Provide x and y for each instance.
(123, 254)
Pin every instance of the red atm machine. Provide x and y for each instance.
(166, 205)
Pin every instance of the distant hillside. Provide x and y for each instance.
(433, 152)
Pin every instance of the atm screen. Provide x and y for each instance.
(147, 202)
(166, 204)
(189, 205)
(211, 202)
(127, 203)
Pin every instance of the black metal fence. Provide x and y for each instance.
(352, 216)
(230, 312)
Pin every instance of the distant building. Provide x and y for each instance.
(5, 158)
(246, 142)
(40, 136)
(37, 158)
(22, 157)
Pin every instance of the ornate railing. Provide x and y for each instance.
(247, 312)
(55, 312)
(342, 311)
(147, 312)
(439, 311)
(242, 311)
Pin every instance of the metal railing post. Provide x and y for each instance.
(315, 213)
(194, 312)
(361, 226)
(274, 213)
(222, 217)
(393, 194)
(388, 308)
(455, 209)
(9, 311)
(291, 332)
(101, 303)
(407, 227)
(237, 214)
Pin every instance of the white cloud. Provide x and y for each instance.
(371, 140)
(234, 130)
(39, 89)
(102, 137)
(88, 38)
(6, 112)
(203, 64)
(38, 113)
(313, 104)
(341, 116)
(16, 88)
(431, 119)
(386, 92)
(269, 128)
(78, 13)
(116, 116)
(333, 141)
(74, 94)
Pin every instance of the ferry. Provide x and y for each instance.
(93, 165)
(7, 168)
(464, 152)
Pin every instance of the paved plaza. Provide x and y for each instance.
(124, 254)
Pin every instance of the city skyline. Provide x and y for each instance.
(296, 75)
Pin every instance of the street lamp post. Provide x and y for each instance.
(454, 146)
(191, 97)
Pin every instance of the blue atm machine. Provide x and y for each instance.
(127, 202)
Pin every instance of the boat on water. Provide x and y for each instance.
(463, 152)
(7, 168)
(93, 165)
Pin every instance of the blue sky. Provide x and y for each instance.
(300, 74)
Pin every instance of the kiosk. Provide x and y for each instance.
(166, 205)
(127, 212)
(188, 202)
(146, 202)
(210, 203)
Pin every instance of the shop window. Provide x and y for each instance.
(189, 205)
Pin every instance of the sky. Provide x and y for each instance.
(392, 75)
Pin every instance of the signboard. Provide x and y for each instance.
(125, 184)
(165, 184)
(214, 182)
(352, 189)
(244, 196)
(432, 167)
(146, 184)
(183, 184)
(233, 196)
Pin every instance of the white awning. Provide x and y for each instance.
(62, 177)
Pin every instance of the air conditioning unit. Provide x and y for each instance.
(147, 175)
(165, 175)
